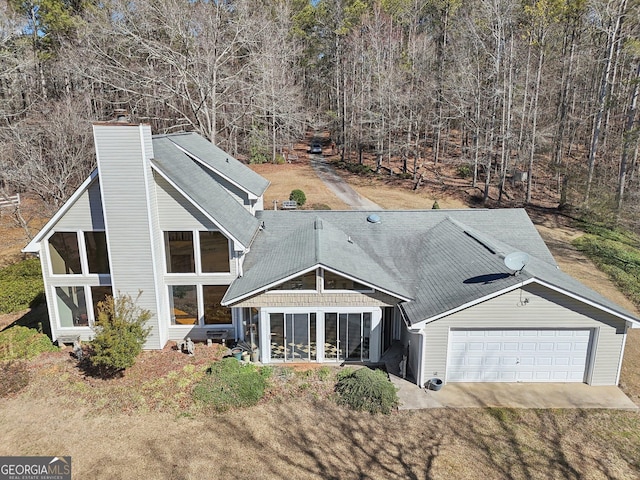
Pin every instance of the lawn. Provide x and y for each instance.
(146, 425)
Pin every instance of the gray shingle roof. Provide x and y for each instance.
(218, 160)
(204, 191)
(437, 259)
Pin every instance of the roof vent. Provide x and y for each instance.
(373, 218)
(317, 225)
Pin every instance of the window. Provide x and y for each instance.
(64, 253)
(179, 248)
(184, 304)
(72, 307)
(99, 294)
(214, 252)
(66, 258)
(214, 313)
(189, 303)
(333, 281)
(303, 282)
(97, 256)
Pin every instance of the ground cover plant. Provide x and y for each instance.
(23, 343)
(231, 384)
(615, 251)
(21, 286)
(367, 390)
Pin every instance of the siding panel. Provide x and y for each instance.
(86, 212)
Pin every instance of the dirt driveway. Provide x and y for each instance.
(339, 187)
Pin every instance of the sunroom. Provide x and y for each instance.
(320, 316)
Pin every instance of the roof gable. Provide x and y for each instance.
(34, 244)
(215, 159)
(205, 193)
(283, 250)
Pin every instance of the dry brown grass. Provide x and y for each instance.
(145, 425)
(390, 194)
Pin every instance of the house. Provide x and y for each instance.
(182, 222)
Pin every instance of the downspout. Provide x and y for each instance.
(420, 373)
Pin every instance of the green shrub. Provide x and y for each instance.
(320, 206)
(231, 384)
(464, 171)
(120, 333)
(14, 376)
(298, 196)
(279, 160)
(21, 286)
(366, 390)
(23, 343)
(435, 206)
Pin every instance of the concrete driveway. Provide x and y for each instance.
(512, 395)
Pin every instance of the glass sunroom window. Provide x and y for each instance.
(179, 248)
(72, 307)
(97, 256)
(214, 252)
(64, 253)
(214, 312)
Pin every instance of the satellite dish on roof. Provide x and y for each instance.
(516, 261)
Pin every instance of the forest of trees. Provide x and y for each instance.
(494, 85)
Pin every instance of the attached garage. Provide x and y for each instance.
(510, 355)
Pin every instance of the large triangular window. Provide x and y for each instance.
(333, 281)
(302, 282)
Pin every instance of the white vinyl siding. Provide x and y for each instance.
(85, 213)
(545, 309)
(175, 212)
(125, 181)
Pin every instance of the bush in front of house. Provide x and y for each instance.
(299, 196)
(366, 390)
(14, 376)
(120, 334)
(22, 343)
(231, 384)
(21, 286)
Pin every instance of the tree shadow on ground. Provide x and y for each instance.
(37, 317)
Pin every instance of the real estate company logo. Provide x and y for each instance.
(35, 468)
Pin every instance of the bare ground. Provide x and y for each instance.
(146, 426)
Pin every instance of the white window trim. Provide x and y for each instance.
(197, 255)
(88, 298)
(265, 328)
(200, 302)
(84, 260)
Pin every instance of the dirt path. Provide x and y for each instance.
(339, 187)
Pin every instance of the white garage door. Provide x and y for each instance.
(517, 355)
